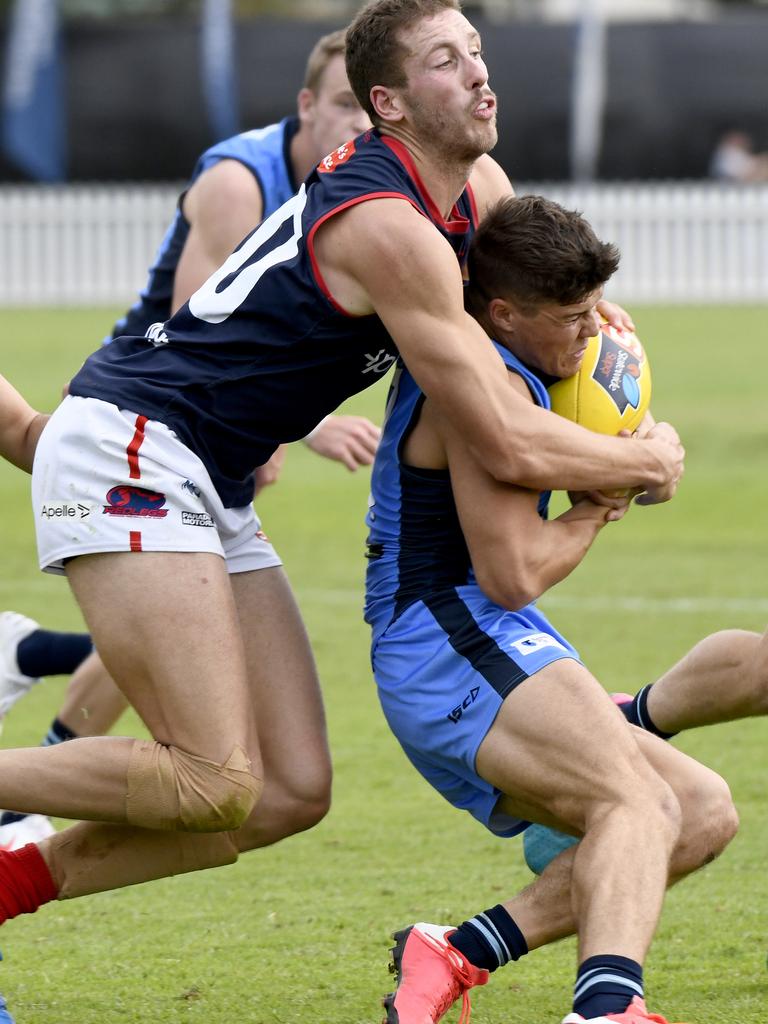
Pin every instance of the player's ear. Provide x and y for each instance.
(305, 102)
(387, 104)
(502, 315)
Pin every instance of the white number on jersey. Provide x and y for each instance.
(215, 306)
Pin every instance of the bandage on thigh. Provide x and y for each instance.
(172, 790)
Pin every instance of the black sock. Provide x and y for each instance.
(47, 653)
(489, 940)
(58, 733)
(636, 712)
(606, 984)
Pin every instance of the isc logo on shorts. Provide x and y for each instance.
(535, 642)
(455, 715)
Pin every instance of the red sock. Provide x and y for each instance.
(25, 882)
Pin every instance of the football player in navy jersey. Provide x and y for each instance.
(159, 435)
(489, 702)
(234, 185)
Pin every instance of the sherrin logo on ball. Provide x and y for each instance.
(612, 389)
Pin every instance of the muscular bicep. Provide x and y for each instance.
(411, 278)
(383, 256)
(222, 207)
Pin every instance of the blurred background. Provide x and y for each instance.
(649, 115)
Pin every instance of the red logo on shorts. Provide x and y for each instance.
(338, 156)
(135, 501)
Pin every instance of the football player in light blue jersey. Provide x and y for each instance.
(489, 702)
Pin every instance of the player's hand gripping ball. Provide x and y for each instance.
(612, 389)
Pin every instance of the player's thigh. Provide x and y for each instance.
(92, 703)
(559, 746)
(282, 676)
(167, 629)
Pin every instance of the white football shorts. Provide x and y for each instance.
(105, 479)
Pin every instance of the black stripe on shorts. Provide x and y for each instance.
(468, 639)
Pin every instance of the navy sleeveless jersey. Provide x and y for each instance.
(415, 544)
(261, 353)
(266, 154)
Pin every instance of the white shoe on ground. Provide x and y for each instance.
(13, 684)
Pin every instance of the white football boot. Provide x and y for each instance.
(13, 684)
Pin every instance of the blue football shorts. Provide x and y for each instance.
(443, 669)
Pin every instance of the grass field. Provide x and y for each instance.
(300, 932)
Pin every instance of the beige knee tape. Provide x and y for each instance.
(170, 789)
(90, 857)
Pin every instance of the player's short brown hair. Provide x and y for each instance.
(375, 51)
(531, 250)
(323, 52)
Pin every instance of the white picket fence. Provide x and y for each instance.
(683, 242)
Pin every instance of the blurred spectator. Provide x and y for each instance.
(734, 159)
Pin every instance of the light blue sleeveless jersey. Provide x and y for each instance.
(415, 543)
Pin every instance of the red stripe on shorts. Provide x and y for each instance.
(135, 536)
(133, 449)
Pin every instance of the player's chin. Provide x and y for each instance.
(489, 136)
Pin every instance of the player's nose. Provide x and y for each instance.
(476, 73)
(591, 325)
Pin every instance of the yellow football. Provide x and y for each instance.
(612, 389)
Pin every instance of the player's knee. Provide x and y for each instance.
(169, 788)
(304, 810)
(642, 795)
(286, 809)
(711, 822)
(303, 796)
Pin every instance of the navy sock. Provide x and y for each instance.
(47, 653)
(489, 940)
(636, 712)
(606, 984)
(57, 733)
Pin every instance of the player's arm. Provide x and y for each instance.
(411, 278)
(517, 556)
(222, 206)
(20, 427)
